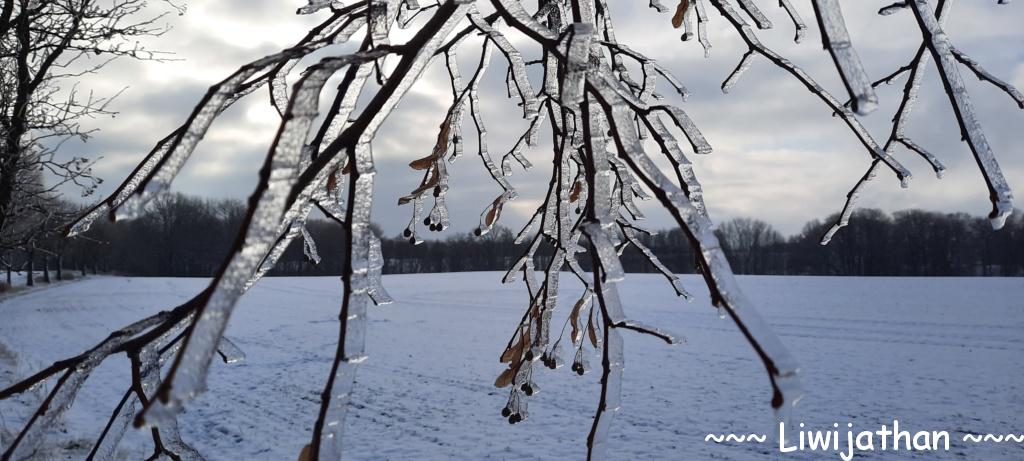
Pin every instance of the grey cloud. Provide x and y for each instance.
(779, 155)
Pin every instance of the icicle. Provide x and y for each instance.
(377, 292)
(330, 423)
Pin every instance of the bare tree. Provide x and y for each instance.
(40, 218)
(45, 47)
(598, 112)
(745, 239)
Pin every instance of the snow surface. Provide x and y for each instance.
(935, 353)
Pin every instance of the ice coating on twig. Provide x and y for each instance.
(317, 5)
(181, 146)
(187, 377)
(755, 13)
(836, 40)
(702, 28)
(985, 76)
(798, 22)
(725, 292)
(897, 135)
(734, 77)
(845, 114)
(938, 43)
(230, 352)
(357, 279)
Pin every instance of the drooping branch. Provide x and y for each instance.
(978, 144)
(834, 105)
(598, 109)
(938, 43)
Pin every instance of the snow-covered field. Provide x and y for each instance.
(934, 353)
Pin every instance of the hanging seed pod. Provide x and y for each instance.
(677, 19)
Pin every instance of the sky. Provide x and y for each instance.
(778, 154)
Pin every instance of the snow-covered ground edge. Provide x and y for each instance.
(935, 353)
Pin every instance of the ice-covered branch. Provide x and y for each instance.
(938, 44)
(836, 40)
(985, 76)
(598, 116)
(855, 126)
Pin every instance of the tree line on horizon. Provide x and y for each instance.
(184, 236)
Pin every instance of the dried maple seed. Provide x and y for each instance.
(506, 412)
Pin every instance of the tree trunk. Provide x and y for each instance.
(60, 262)
(31, 267)
(83, 270)
(8, 164)
(46, 269)
(9, 275)
(20, 94)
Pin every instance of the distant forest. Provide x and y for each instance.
(185, 236)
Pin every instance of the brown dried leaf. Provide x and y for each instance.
(505, 378)
(347, 169)
(574, 195)
(495, 211)
(432, 179)
(442, 138)
(491, 214)
(677, 20)
(574, 319)
(423, 163)
(332, 181)
(513, 352)
(304, 454)
(592, 332)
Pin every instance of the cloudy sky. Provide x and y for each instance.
(779, 155)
